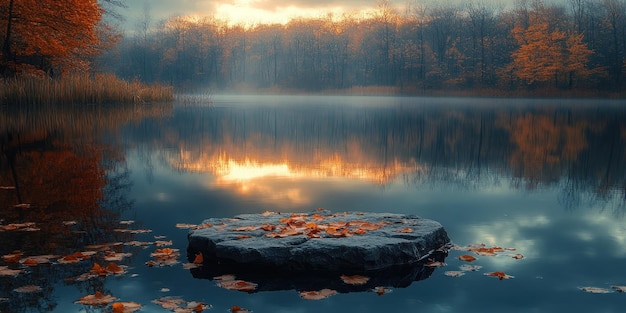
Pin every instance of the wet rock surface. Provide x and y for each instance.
(319, 241)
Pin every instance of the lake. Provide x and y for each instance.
(544, 179)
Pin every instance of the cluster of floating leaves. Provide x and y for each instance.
(478, 250)
(105, 258)
(179, 305)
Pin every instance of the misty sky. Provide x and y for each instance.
(252, 11)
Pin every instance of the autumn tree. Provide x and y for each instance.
(545, 52)
(48, 35)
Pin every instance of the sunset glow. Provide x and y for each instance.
(244, 13)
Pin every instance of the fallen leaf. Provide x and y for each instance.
(6, 271)
(516, 256)
(595, 290)
(454, 273)
(96, 299)
(500, 275)
(354, 279)
(238, 309)
(467, 258)
(239, 285)
(381, 290)
(125, 307)
(169, 303)
(405, 230)
(13, 257)
(28, 289)
(198, 259)
(317, 295)
(471, 268)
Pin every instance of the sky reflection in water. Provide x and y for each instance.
(491, 173)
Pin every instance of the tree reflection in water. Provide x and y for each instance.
(73, 191)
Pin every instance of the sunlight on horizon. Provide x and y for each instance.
(246, 13)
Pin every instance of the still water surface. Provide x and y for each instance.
(545, 177)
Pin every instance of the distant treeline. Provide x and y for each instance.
(577, 45)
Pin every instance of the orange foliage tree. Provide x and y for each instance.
(48, 34)
(546, 54)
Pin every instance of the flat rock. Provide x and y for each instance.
(317, 241)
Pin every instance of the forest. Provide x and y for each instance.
(534, 46)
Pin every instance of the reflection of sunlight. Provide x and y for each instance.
(251, 170)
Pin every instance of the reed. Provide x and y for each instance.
(80, 89)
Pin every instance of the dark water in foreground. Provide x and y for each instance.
(547, 178)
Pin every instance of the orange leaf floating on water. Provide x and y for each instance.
(13, 257)
(239, 285)
(355, 279)
(69, 259)
(113, 268)
(238, 309)
(169, 303)
(500, 275)
(96, 299)
(6, 271)
(28, 289)
(454, 273)
(317, 295)
(381, 290)
(467, 258)
(595, 290)
(619, 288)
(243, 237)
(516, 256)
(125, 307)
(472, 268)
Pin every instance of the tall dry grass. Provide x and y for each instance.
(80, 89)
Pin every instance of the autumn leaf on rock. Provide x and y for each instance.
(354, 279)
(96, 299)
(405, 230)
(198, 259)
(317, 295)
